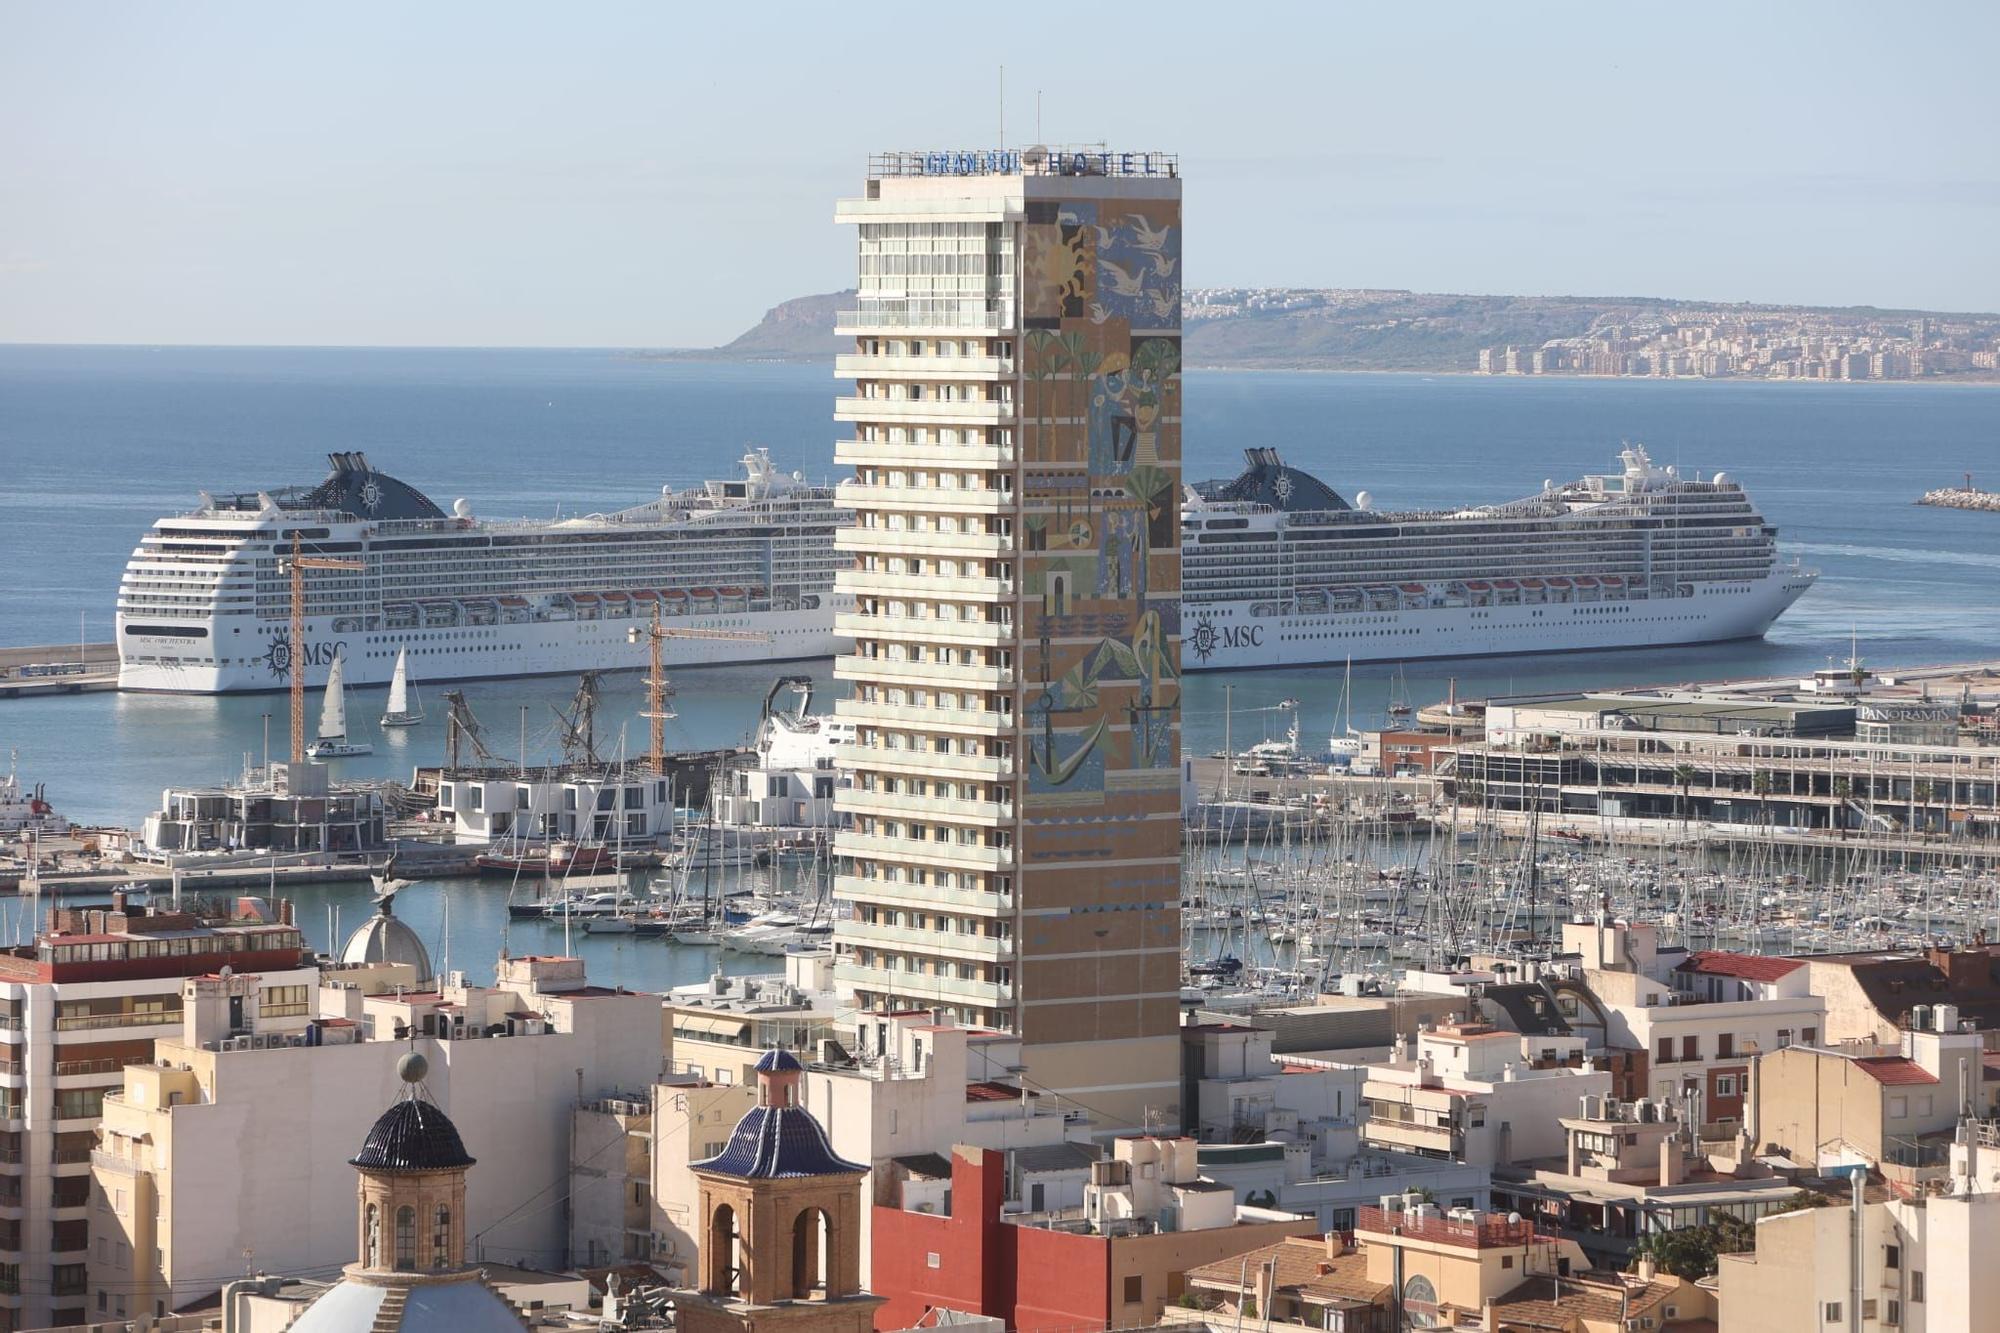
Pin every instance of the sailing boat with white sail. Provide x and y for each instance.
(400, 712)
(333, 742)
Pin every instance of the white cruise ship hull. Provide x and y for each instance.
(1227, 636)
(237, 654)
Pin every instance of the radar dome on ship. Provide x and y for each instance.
(1548, 483)
(461, 508)
(1721, 479)
(1363, 500)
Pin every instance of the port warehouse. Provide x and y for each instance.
(1802, 765)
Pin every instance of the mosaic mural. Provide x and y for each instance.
(1100, 439)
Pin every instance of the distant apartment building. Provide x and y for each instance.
(1010, 825)
(77, 1006)
(1115, 1261)
(225, 1150)
(1475, 1093)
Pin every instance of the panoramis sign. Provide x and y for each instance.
(1016, 161)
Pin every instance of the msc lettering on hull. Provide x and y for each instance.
(1208, 638)
(279, 655)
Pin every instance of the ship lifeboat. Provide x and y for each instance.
(645, 595)
(731, 594)
(1558, 581)
(1506, 585)
(1478, 585)
(1415, 589)
(1533, 585)
(1612, 580)
(1584, 581)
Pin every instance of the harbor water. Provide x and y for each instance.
(100, 442)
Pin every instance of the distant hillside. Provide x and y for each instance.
(800, 329)
(1360, 329)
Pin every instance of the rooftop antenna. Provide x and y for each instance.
(1038, 115)
(1003, 109)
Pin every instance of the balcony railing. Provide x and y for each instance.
(903, 319)
(1483, 1232)
(98, 1022)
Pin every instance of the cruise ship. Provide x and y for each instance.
(205, 603)
(1279, 570)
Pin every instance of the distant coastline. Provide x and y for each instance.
(1369, 331)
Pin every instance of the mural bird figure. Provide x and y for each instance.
(1123, 283)
(1147, 237)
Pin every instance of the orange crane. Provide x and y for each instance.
(298, 564)
(657, 688)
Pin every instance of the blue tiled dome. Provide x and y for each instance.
(412, 1135)
(776, 1142)
(775, 1060)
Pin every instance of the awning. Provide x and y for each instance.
(710, 1025)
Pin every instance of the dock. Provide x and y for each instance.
(66, 668)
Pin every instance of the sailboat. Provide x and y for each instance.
(400, 713)
(333, 742)
(1345, 744)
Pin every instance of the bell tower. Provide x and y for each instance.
(781, 1222)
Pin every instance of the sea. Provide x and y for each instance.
(98, 443)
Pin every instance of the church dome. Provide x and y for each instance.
(463, 1304)
(412, 1135)
(382, 938)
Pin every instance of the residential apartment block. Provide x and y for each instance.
(1011, 837)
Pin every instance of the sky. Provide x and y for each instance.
(617, 174)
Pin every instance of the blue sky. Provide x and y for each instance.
(625, 174)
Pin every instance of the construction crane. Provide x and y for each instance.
(298, 564)
(657, 688)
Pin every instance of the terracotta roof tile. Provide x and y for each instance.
(1747, 966)
(1894, 1069)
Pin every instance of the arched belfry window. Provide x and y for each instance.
(406, 1238)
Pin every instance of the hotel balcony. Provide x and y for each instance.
(924, 411)
(891, 806)
(922, 851)
(944, 944)
(919, 629)
(900, 321)
(920, 987)
(920, 585)
(948, 674)
(853, 366)
(892, 452)
(928, 762)
(888, 541)
(856, 888)
(941, 721)
(939, 499)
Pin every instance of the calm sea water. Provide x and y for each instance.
(97, 443)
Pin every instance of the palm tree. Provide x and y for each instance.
(1761, 783)
(1684, 775)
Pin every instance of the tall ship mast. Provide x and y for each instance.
(1280, 570)
(204, 605)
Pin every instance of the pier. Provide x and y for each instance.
(63, 668)
(1962, 497)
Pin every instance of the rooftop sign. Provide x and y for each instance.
(1037, 161)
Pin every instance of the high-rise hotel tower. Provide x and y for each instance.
(1012, 846)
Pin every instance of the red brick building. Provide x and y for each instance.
(1104, 1265)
